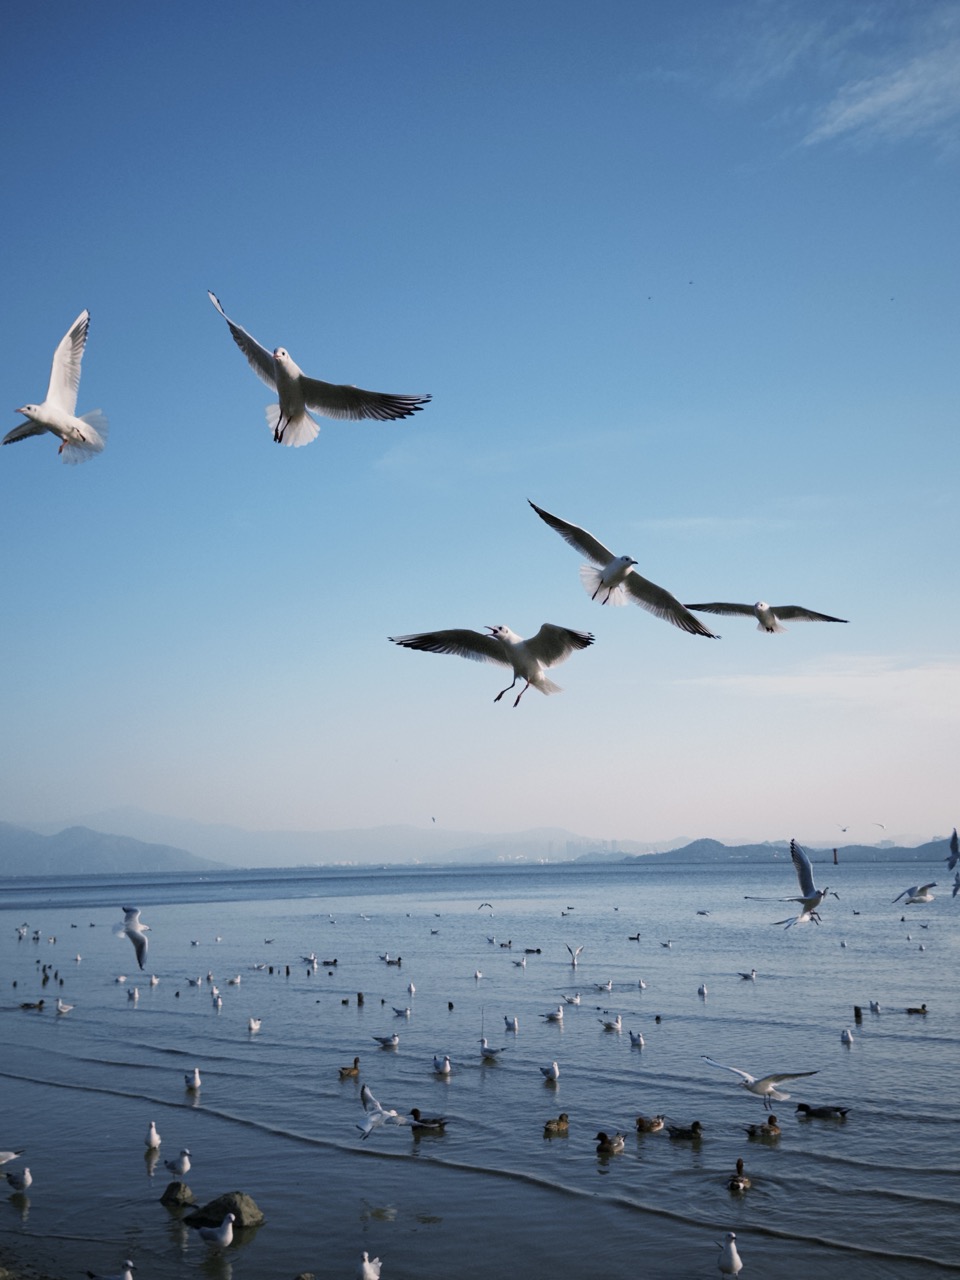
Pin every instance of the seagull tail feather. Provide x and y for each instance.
(296, 433)
(592, 579)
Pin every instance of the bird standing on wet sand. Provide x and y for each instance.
(615, 579)
(530, 659)
(289, 420)
(766, 1086)
(80, 438)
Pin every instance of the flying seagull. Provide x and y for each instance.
(768, 616)
(289, 420)
(810, 896)
(611, 579)
(918, 893)
(82, 437)
(953, 857)
(530, 659)
(135, 930)
(376, 1115)
(766, 1086)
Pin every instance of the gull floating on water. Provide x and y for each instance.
(221, 1237)
(369, 1268)
(616, 1024)
(613, 579)
(551, 1073)
(918, 893)
(487, 1052)
(192, 1078)
(636, 1039)
(289, 420)
(555, 1016)
(135, 930)
(574, 999)
(768, 616)
(766, 1086)
(62, 1006)
(80, 438)
(181, 1166)
(388, 1042)
(729, 1261)
(751, 976)
(376, 1114)
(20, 1181)
(441, 1064)
(254, 1024)
(152, 1140)
(846, 1036)
(511, 1024)
(530, 659)
(125, 1274)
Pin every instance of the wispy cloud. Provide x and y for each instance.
(921, 96)
(917, 691)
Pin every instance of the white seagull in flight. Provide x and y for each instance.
(82, 437)
(614, 578)
(289, 420)
(768, 616)
(135, 930)
(766, 1086)
(376, 1115)
(953, 857)
(530, 659)
(918, 893)
(810, 896)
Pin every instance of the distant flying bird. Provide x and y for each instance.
(289, 420)
(953, 857)
(918, 893)
(769, 616)
(80, 438)
(530, 659)
(136, 931)
(766, 1086)
(615, 579)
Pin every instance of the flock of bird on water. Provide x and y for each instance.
(609, 578)
(809, 899)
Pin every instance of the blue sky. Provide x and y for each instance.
(685, 275)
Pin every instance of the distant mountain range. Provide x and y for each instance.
(80, 851)
(132, 840)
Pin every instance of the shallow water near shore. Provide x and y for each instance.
(874, 1195)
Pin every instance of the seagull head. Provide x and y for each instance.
(628, 561)
(28, 410)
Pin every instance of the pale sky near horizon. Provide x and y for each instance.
(685, 275)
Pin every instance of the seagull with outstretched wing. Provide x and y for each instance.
(766, 1086)
(768, 616)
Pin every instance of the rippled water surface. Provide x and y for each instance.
(874, 1196)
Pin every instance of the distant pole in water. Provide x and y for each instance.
(834, 857)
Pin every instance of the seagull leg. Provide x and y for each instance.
(507, 689)
(521, 693)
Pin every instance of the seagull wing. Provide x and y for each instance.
(370, 1104)
(259, 358)
(924, 887)
(799, 614)
(804, 871)
(463, 643)
(742, 610)
(578, 538)
(747, 1077)
(552, 645)
(65, 371)
(659, 601)
(335, 400)
(902, 895)
(785, 1075)
(953, 857)
(139, 941)
(23, 432)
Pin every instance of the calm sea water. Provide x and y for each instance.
(874, 1196)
